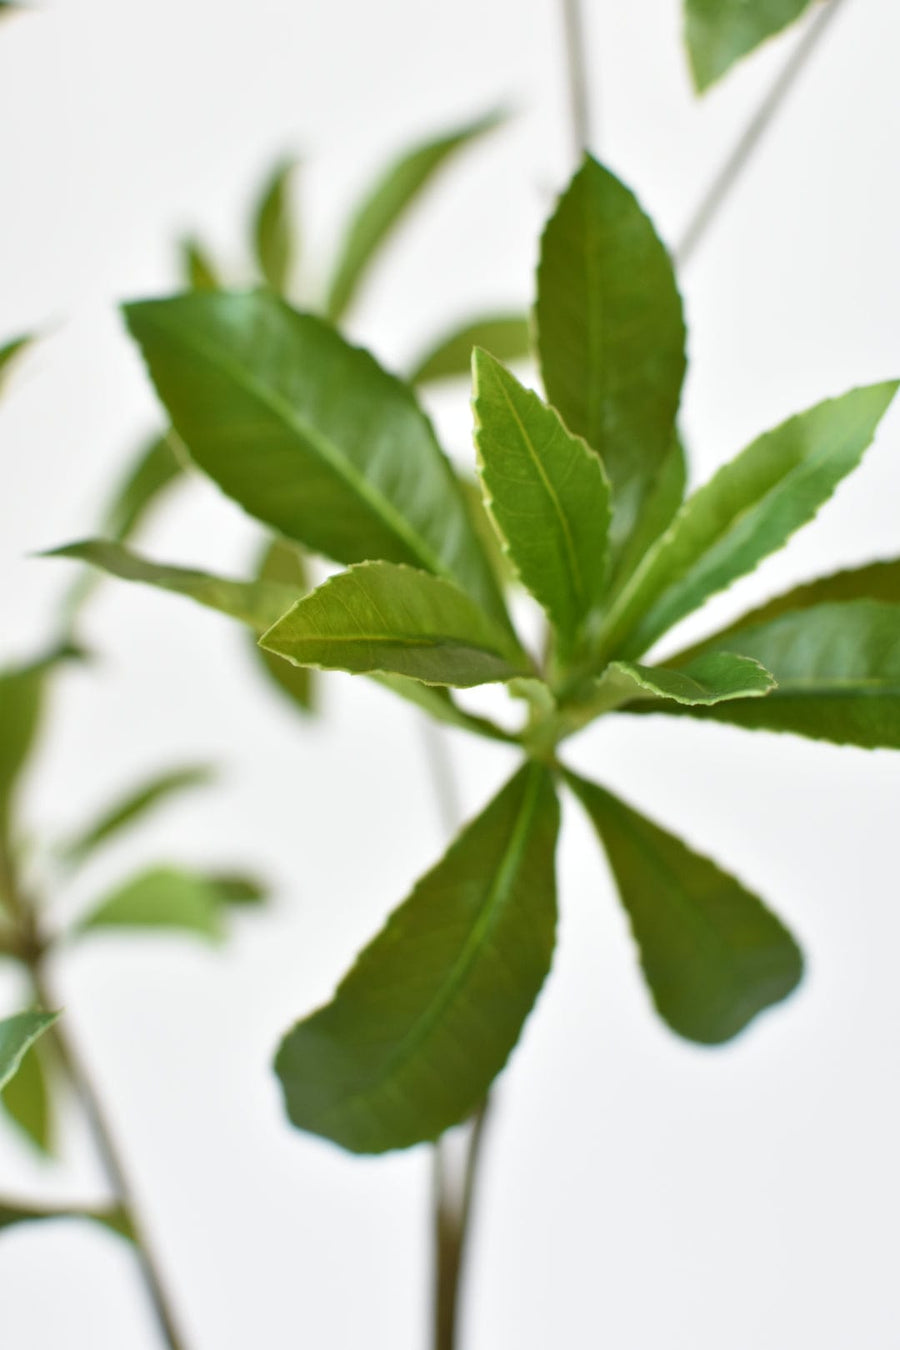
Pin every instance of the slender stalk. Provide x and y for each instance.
(576, 65)
(111, 1159)
(737, 161)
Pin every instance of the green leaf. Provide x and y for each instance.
(393, 620)
(8, 354)
(428, 1016)
(21, 699)
(713, 955)
(439, 703)
(610, 335)
(200, 272)
(27, 1100)
(661, 505)
(114, 1217)
(748, 509)
(17, 1035)
(310, 435)
(236, 888)
(713, 677)
(386, 203)
(507, 337)
(255, 603)
(548, 495)
(155, 469)
(134, 805)
(273, 228)
(164, 897)
(720, 32)
(838, 672)
(283, 562)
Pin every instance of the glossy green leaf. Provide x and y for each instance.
(114, 1217)
(200, 272)
(720, 32)
(610, 335)
(282, 562)
(659, 509)
(838, 672)
(507, 337)
(393, 620)
(748, 509)
(386, 203)
(255, 603)
(134, 805)
(548, 494)
(310, 435)
(164, 897)
(713, 955)
(28, 1101)
(9, 351)
(432, 1009)
(274, 235)
(17, 1035)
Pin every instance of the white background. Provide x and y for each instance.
(639, 1192)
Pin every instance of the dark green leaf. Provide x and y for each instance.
(712, 954)
(507, 337)
(273, 228)
(17, 1035)
(27, 1099)
(200, 272)
(284, 563)
(429, 1014)
(255, 603)
(610, 335)
(748, 509)
(385, 204)
(8, 353)
(235, 888)
(393, 620)
(310, 435)
(165, 897)
(548, 495)
(720, 32)
(134, 805)
(838, 672)
(113, 1218)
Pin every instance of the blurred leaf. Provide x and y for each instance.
(28, 1102)
(17, 1035)
(507, 337)
(284, 563)
(748, 509)
(387, 201)
(273, 228)
(156, 467)
(439, 703)
(21, 697)
(197, 266)
(114, 1218)
(165, 897)
(235, 888)
(136, 804)
(712, 954)
(396, 621)
(610, 335)
(720, 32)
(10, 350)
(255, 603)
(435, 1004)
(548, 494)
(310, 435)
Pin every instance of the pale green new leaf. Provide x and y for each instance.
(748, 509)
(310, 435)
(114, 1217)
(386, 618)
(171, 898)
(838, 671)
(133, 806)
(610, 335)
(386, 203)
(713, 955)
(430, 1013)
(9, 351)
(273, 228)
(507, 337)
(282, 562)
(28, 1102)
(720, 32)
(17, 1035)
(200, 272)
(548, 494)
(255, 603)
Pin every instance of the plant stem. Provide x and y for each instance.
(721, 185)
(452, 1217)
(576, 64)
(111, 1159)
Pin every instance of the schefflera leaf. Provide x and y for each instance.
(310, 435)
(720, 32)
(283, 563)
(713, 955)
(611, 335)
(747, 510)
(430, 1013)
(393, 620)
(17, 1035)
(548, 494)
